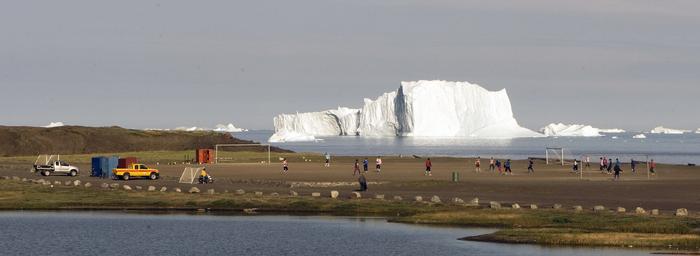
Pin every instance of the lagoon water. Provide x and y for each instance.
(663, 148)
(106, 234)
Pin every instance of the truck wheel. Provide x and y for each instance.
(153, 176)
(73, 173)
(125, 176)
(46, 173)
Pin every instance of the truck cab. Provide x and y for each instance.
(136, 170)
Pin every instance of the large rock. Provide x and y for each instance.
(598, 208)
(47, 183)
(682, 212)
(654, 212)
(127, 187)
(578, 208)
(258, 193)
(274, 194)
(88, 185)
(194, 190)
(39, 181)
(178, 190)
(398, 198)
(114, 185)
(418, 199)
(379, 196)
(293, 193)
(334, 194)
(57, 183)
(68, 183)
(556, 206)
(104, 185)
(621, 210)
(76, 183)
(435, 199)
(474, 201)
(515, 206)
(240, 192)
(163, 189)
(138, 187)
(457, 200)
(151, 188)
(211, 191)
(533, 207)
(355, 195)
(316, 194)
(640, 210)
(24, 180)
(494, 205)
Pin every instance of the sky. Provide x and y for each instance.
(163, 64)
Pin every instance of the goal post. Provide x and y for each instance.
(553, 152)
(189, 174)
(222, 156)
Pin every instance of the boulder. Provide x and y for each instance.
(598, 208)
(474, 201)
(640, 210)
(334, 194)
(24, 180)
(39, 181)
(258, 193)
(114, 185)
(46, 183)
(578, 208)
(682, 212)
(316, 194)
(398, 198)
(68, 183)
(57, 183)
(494, 205)
(380, 197)
(127, 187)
(355, 195)
(163, 189)
(556, 206)
(151, 188)
(621, 209)
(293, 193)
(533, 207)
(194, 190)
(418, 199)
(211, 191)
(435, 199)
(104, 185)
(274, 194)
(457, 200)
(76, 183)
(515, 206)
(240, 192)
(88, 185)
(178, 190)
(138, 187)
(654, 211)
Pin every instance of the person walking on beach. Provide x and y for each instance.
(605, 163)
(498, 165)
(617, 170)
(602, 166)
(575, 168)
(365, 165)
(588, 162)
(285, 166)
(633, 165)
(610, 166)
(379, 164)
(328, 159)
(477, 164)
(530, 168)
(356, 167)
(492, 164)
(507, 167)
(652, 167)
(363, 182)
(428, 167)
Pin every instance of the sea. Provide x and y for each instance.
(118, 233)
(663, 148)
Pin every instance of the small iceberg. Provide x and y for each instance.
(639, 136)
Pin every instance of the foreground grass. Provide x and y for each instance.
(547, 227)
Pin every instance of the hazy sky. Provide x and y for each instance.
(162, 64)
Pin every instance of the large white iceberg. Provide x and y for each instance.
(566, 130)
(664, 130)
(54, 124)
(228, 128)
(419, 109)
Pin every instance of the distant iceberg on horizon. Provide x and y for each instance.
(54, 124)
(575, 130)
(417, 109)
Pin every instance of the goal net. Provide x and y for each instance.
(190, 174)
(242, 154)
(554, 155)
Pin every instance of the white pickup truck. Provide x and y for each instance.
(56, 167)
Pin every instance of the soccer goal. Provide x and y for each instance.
(189, 175)
(243, 153)
(552, 155)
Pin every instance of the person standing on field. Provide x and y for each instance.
(633, 165)
(498, 165)
(285, 166)
(652, 167)
(507, 166)
(575, 168)
(356, 167)
(328, 159)
(477, 164)
(492, 164)
(365, 165)
(428, 167)
(617, 170)
(610, 166)
(530, 168)
(379, 164)
(602, 165)
(588, 162)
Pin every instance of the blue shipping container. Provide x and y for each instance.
(97, 166)
(111, 163)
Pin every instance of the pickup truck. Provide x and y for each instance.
(56, 167)
(136, 170)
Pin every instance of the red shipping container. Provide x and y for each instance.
(204, 156)
(127, 161)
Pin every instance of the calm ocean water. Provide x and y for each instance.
(107, 234)
(675, 149)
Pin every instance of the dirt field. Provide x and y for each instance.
(673, 186)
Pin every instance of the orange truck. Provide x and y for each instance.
(136, 170)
